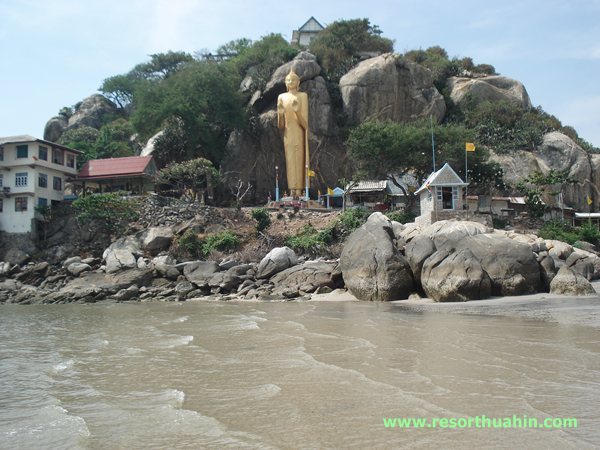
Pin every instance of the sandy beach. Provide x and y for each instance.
(546, 307)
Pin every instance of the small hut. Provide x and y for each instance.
(441, 196)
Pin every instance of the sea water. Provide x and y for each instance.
(288, 375)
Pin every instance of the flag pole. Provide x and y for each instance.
(432, 142)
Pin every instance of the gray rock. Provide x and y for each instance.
(490, 88)
(569, 282)
(278, 259)
(157, 239)
(389, 87)
(92, 111)
(511, 265)
(200, 272)
(547, 271)
(581, 264)
(54, 128)
(306, 277)
(77, 268)
(558, 249)
(127, 294)
(71, 260)
(372, 267)
(183, 288)
(417, 251)
(450, 276)
(5, 268)
(122, 254)
(450, 231)
(304, 64)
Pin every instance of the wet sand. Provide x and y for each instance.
(546, 307)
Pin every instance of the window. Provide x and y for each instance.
(1, 153)
(43, 153)
(1, 180)
(70, 160)
(57, 156)
(20, 203)
(447, 197)
(42, 201)
(20, 179)
(22, 151)
(57, 183)
(43, 180)
(1, 205)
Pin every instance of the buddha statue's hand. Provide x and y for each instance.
(295, 105)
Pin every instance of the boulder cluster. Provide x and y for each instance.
(380, 261)
(459, 261)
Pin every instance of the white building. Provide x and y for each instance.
(306, 33)
(441, 196)
(32, 173)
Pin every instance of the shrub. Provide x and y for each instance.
(262, 217)
(560, 231)
(310, 240)
(401, 216)
(112, 211)
(351, 219)
(192, 244)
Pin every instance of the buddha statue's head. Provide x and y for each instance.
(292, 80)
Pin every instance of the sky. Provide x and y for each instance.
(54, 53)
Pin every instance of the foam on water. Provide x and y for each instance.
(51, 425)
(63, 366)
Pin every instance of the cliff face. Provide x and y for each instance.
(385, 87)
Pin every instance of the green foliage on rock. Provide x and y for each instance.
(110, 211)
(310, 240)
(401, 216)
(337, 47)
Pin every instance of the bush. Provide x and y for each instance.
(192, 244)
(560, 231)
(351, 219)
(112, 211)
(262, 217)
(311, 240)
(402, 217)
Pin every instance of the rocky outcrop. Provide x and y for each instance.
(389, 87)
(305, 278)
(91, 112)
(417, 251)
(490, 88)
(557, 152)
(55, 127)
(372, 266)
(122, 254)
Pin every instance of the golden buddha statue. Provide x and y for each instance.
(292, 117)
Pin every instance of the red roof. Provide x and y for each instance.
(115, 167)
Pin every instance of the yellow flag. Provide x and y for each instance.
(330, 191)
(311, 173)
(589, 200)
(469, 146)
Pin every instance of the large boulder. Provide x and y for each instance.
(511, 265)
(372, 266)
(582, 264)
(306, 277)
(200, 272)
(417, 251)
(569, 282)
(92, 111)
(490, 88)
(444, 231)
(156, 239)
(55, 127)
(278, 259)
(122, 254)
(389, 87)
(450, 276)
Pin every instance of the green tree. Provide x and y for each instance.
(205, 99)
(338, 45)
(190, 179)
(109, 211)
(391, 150)
(82, 138)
